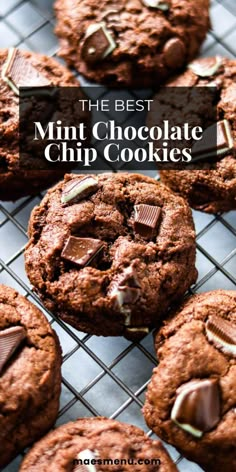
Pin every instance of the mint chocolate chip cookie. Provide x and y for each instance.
(20, 68)
(30, 376)
(93, 444)
(191, 398)
(212, 186)
(110, 253)
(130, 43)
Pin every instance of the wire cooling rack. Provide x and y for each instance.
(109, 376)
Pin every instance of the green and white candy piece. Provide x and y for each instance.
(222, 333)
(5, 68)
(88, 456)
(19, 72)
(159, 4)
(203, 70)
(92, 29)
(77, 189)
(217, 141)
(120, 297)
(126, 291)
(197, 406)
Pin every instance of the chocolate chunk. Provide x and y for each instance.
(197, 406)
(206, 67)
(81, 251)
(125, 290)
(159, 4)
(216, 141)
(10, 339)
(146, 219)
(77, 189)
(98, 43)
(19, 72)
(85, 455)
(174, 53)
(222, 333)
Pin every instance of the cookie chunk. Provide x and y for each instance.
(130, 43)
(23, 68)
(191, 399)
(109, 253)
(212, 188)
(30, 377)
(91, 441)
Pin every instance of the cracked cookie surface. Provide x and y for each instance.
(197, 344)
(111, 261)
(130, 43)
(98, 439)
(30, 378)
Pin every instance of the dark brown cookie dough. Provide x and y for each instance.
(97, 439)
(30, 377)
(97, 265)
(130, 43)
(14, 181)
(213, 187)
(197, 344)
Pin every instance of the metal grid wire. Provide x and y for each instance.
(109, 376)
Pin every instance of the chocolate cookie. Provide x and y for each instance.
(191, 399)
(93, 444)
(110, 253)
(23, 68)
(130, 43)
(212, 188)
(30, 378)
